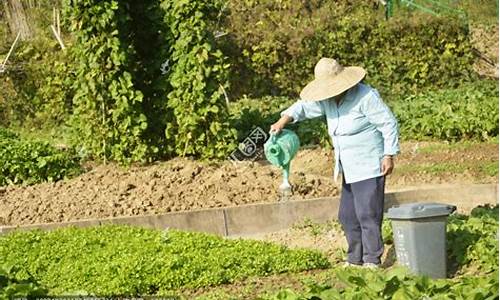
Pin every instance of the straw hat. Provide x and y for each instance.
(331, 79)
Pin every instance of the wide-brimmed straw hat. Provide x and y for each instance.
(331, 79)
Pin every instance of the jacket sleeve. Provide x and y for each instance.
(302, 110)
(379, 114)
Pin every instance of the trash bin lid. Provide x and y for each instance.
(420, 210)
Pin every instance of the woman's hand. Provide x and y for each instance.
(387, 165)
(276, 127)
(280, 124)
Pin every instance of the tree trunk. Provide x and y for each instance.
(17, 19)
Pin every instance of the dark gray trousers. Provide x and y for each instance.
(360, 213)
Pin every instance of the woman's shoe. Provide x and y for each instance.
(351, 265)
(371, 266)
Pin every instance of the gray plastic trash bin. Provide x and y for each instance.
(419, 231)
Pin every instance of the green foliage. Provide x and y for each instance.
(315, 229)
(198, 77)
(7, 134)
(282, 41)
(120, 104)
(13, 288)
(53, 98)
(107, 117)
(266, 35)
(477, 11)
(124, 106)
(387, 232)
(247, 114)
(31, 162)
(467, 112)
(122, 260)
(474, 239)
(148, 75)
(396, 283)
(20, 82)
(313, 132)
(489, 168)
(4, 31)
(465, 146)
(472, 243)
(34, 90)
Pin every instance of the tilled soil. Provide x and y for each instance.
(182, 184)
(176, 185)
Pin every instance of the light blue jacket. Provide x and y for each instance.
(363, 130)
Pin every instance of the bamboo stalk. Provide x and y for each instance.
(225, 95)
(53, 15)
(58, 37)
(10, 51)
(58, 23)
(104, 127)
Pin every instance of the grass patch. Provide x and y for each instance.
(435, 168)
(482, 11)
(458, 146)
(55, 135)
(484, 168)
(315, 228)
(489, 168)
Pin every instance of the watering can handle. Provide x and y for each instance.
(273, 136)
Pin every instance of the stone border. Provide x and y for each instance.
(269, 217)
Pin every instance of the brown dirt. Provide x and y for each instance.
(485, 39)
(413, 167)
(183, 184)
(327, 238)
(176, 185)
(256, 287)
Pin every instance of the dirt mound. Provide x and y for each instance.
(176, 185)
(183, 184)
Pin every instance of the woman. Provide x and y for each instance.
(365, 138)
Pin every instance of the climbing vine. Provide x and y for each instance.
(148, 36)
(131, 55)
(107, 119)
(198, 77)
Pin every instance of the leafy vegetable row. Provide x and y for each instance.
(121, 260)
(28, 162)
(467, 112)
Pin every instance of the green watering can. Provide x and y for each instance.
(280, 149)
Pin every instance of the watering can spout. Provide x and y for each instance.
(280, 149)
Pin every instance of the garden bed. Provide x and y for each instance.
(183, 184)
(128, 261)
